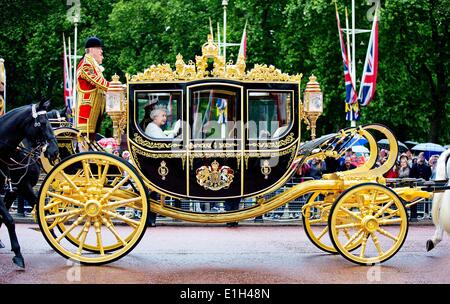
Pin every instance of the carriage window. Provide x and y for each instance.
(269, 114)
(214, 114)
(159, 114)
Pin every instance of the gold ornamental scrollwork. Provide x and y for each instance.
(221, 69)
(185, 71)
(155, 145)
(225, 145)
(163, 170)
(69, 146)
(158, 155)
(200, 146)
(214, 155)
(277, 144)
(249, 155)
(214, 177)
(270, 73)
(160, 72)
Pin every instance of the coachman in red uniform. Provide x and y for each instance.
(91, 87)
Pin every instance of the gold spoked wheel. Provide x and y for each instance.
(315, 221)
(93, 208)
(379, 218)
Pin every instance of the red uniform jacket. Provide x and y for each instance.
(91, 86)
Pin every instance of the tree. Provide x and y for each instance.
(414, 70)
(297, 36)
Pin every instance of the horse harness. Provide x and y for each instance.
(31, 157)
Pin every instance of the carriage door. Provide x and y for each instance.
(215, 141)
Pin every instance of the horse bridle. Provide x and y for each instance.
(37, 123)
(36, 114)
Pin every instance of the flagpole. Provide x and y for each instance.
(353, 45)
(75, 70)
(353, 71)
(218, 38)
(211, 28)
(225, 3)
(350, 67)
(69, 57)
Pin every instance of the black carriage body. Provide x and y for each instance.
(237, 139)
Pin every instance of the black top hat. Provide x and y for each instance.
(93, 42)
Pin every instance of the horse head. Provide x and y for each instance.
(40, 131)
(59, 115)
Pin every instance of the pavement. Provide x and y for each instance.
(164, 221)
(221, 255)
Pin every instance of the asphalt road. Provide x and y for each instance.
(217, 254)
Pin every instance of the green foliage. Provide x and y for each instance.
(106, 127)
(297, 36)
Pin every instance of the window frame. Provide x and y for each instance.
(136, 114)
(289, 113)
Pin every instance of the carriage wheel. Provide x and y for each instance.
(95, 247)
(378, 216)
(315, 221)
(87, 208)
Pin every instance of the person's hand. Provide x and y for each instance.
(177, 127)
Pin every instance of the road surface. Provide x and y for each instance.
(217, 254)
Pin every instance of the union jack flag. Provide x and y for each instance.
(369, 77)
(350, 93)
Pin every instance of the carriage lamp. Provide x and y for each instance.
(116, 107)
(313, 105)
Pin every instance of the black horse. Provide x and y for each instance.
(27, 176)
(31, 123)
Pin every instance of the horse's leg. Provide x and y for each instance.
(437, 238)
(9, 199)
(15, 247)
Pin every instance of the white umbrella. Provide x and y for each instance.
(428, 147)
(384, 143)
(360, 149)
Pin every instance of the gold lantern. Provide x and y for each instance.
(116, 107)
(313, 105)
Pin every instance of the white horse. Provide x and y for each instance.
(441, 202)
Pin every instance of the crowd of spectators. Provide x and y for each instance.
(407, 165)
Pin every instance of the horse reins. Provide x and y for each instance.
(32, 155)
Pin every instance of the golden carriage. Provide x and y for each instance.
(239, 138)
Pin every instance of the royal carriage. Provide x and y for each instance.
(238, 136)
